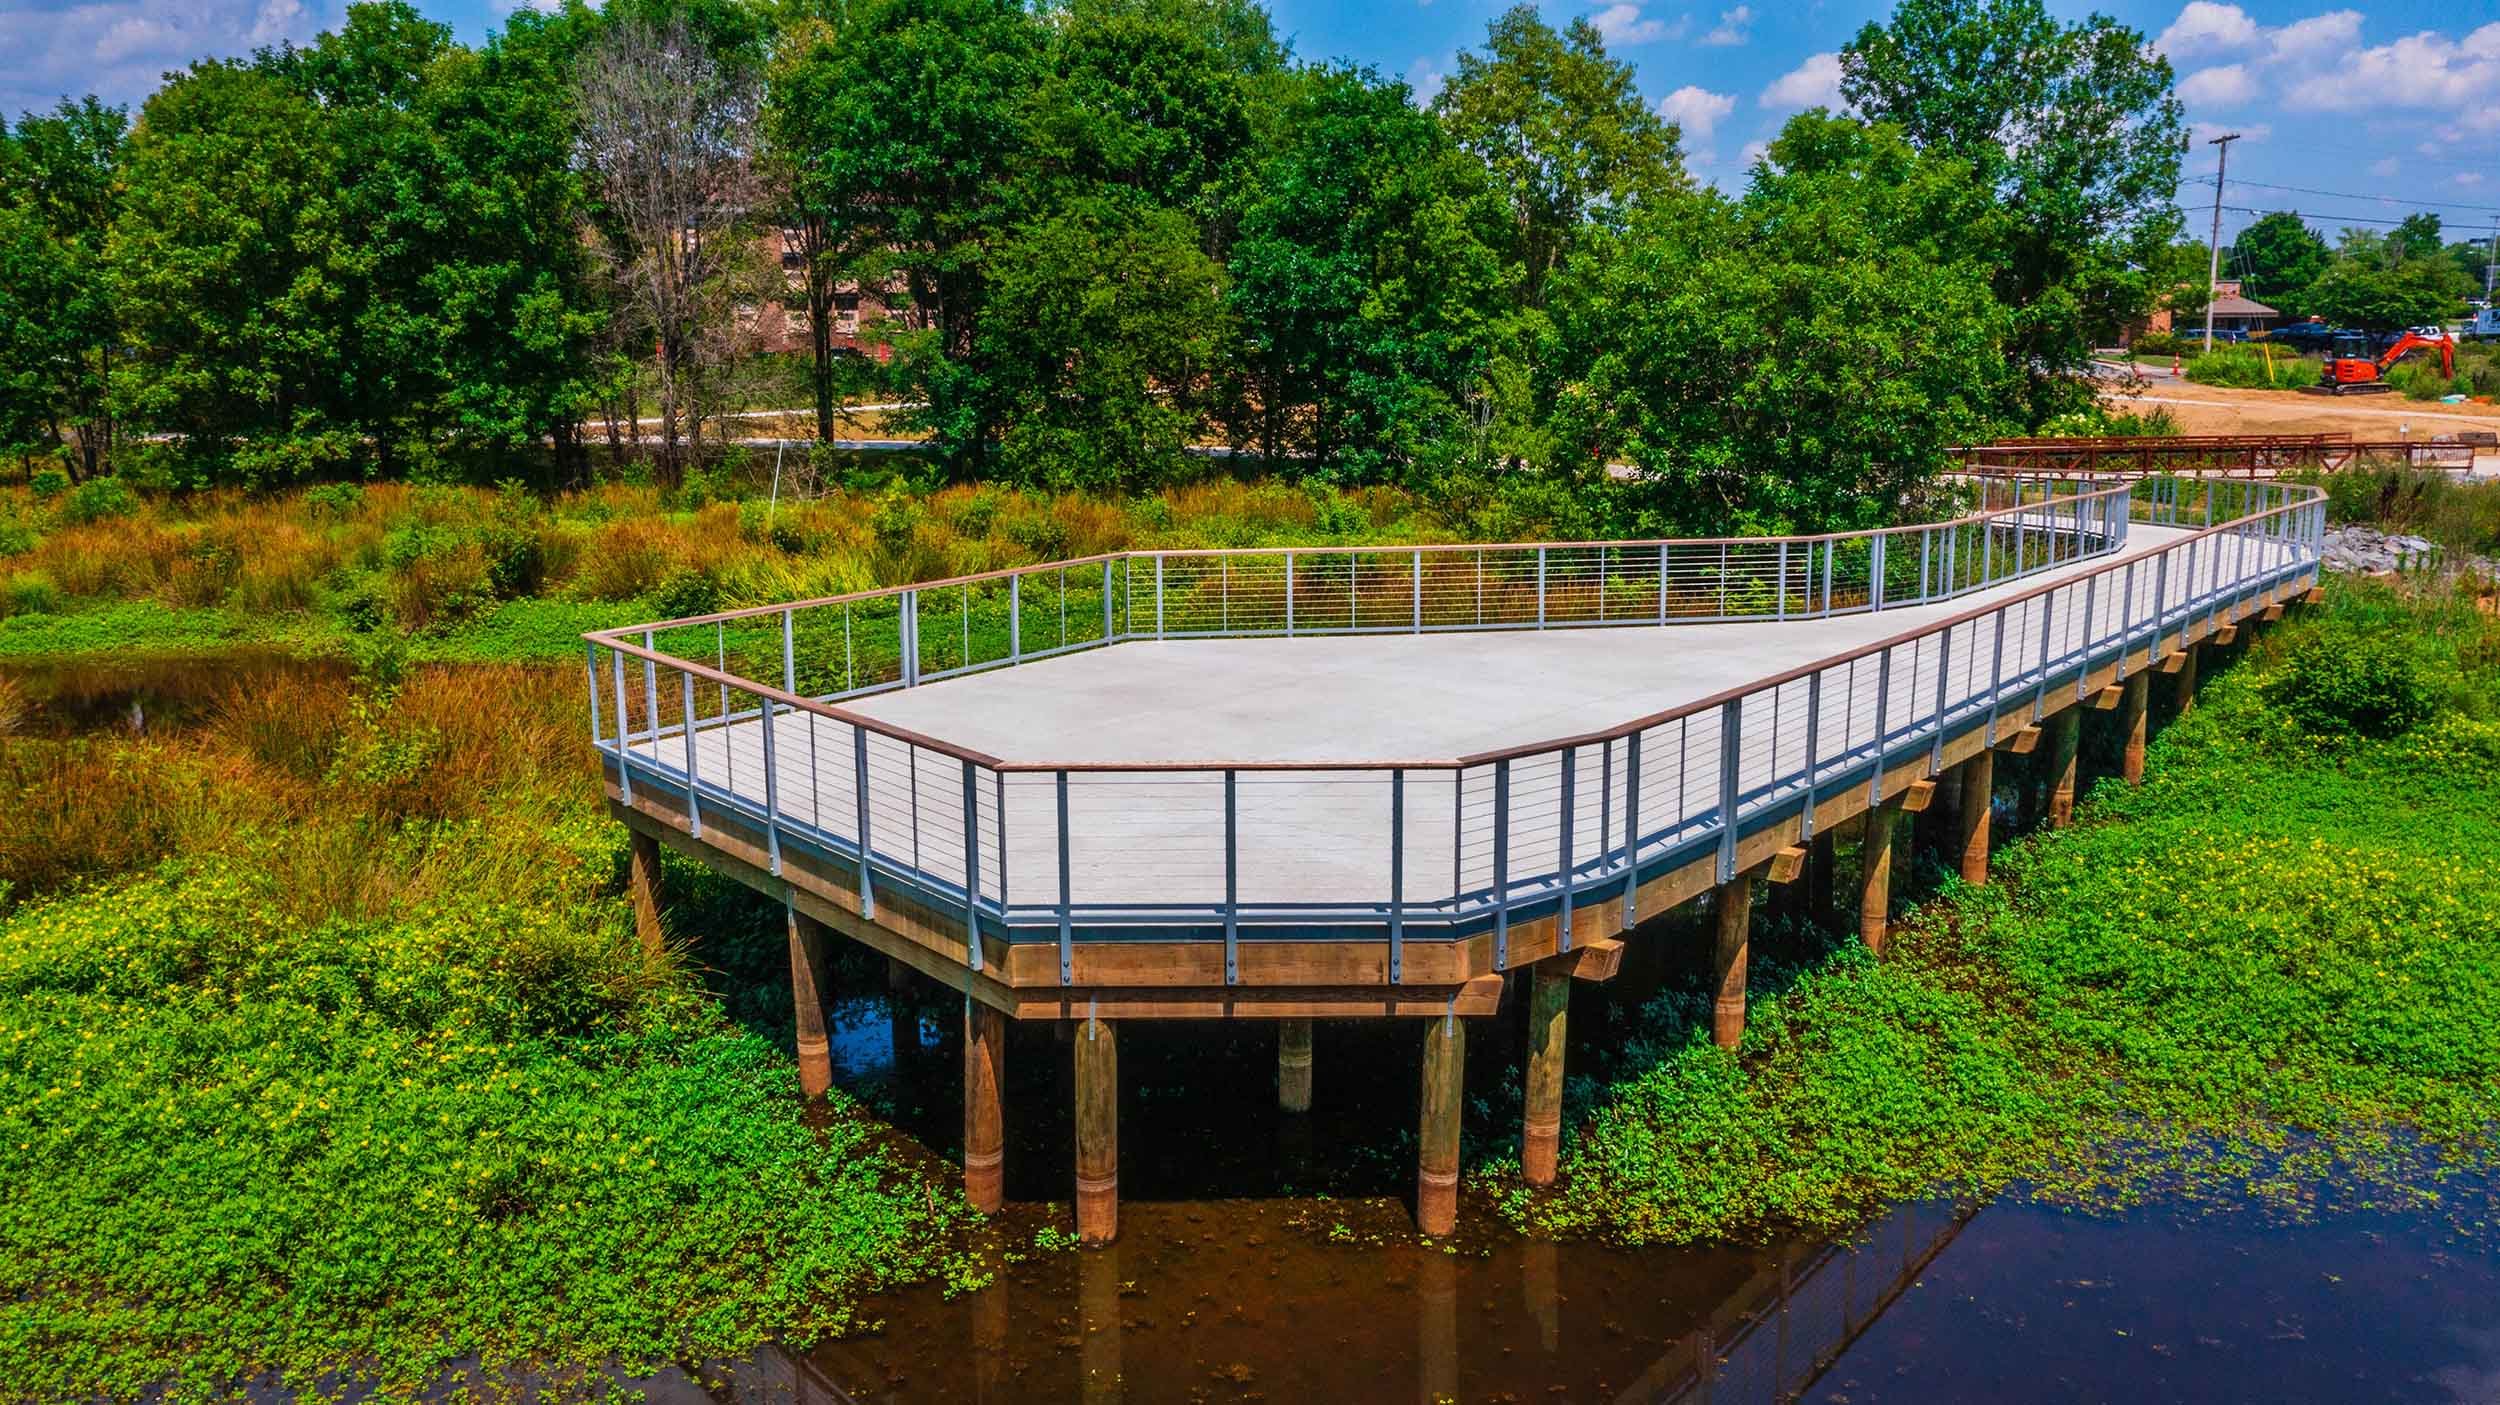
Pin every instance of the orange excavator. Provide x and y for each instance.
(2351, 370)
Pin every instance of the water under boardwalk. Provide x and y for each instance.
(1369, 782)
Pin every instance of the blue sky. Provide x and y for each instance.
(2372, 111)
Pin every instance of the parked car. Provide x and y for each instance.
(2303, 336)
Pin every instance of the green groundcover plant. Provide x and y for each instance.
(2274, 960)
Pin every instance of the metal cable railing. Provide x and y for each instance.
(1420, 849)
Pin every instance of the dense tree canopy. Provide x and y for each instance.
(2076, 130)
(1108, 234)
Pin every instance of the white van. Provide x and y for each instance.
(2486, 323)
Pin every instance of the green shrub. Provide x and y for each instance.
(2355, 685)
(100, 498)
(16, 539)
(2251, 366)
(33, 593)
(689, 592)
(334, 502)
(49, 482)
(2157, 344)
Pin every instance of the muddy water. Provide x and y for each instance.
(1267, 1257)
(144, 695)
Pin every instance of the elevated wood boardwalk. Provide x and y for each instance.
(1378, 801)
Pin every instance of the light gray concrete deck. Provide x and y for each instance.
(1156, 840)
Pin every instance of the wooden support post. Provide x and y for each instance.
(1979, 781)
(897, 977)
(1436, 1326)
(985, 1113)
(2065, 740)
(1436, 1150)
(1549, 1011)
(1819, 879)
(1875, 877)
(807, 964)
(2131, 713)
(1293, 1065)
(1097, 1132)
(2187, 679)
(643, 876)
(1735, 913)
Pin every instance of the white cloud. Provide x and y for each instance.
(1696, 110)
(1814, 83)
(1426, 76)
(2469, 178)
(2220, 87)
(120, 49)
(2205, 27)
(1624, 24)
(2425, 70)
(2203, 132)
(2318, 35)
(1754, 151)
(1731, 28)
(2386, 166)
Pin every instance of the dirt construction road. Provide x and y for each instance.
(2211, 409)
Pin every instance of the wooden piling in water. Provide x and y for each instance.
(643, 877)
(985, 1120)
(1540, 1131)
(2065, 742)
(1979, 778)
(2131, 714)
(1293, 1065)
(807, 963)
(1436, 1139)
(1734, 900)
(1097, 1131)
(1875, 876)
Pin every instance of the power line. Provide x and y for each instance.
(2300, 214)
(2349, 195)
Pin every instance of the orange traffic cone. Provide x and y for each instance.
(2174, 365)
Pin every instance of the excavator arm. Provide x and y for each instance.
(2411, 341)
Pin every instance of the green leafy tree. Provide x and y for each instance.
(2358, 293)
(231, 263)
(1564, 131)
(1798, 359)
(60, 331)
(2279, 256)
(912, 148)
(1360, 280)
(2076, 131)
(2417, 236)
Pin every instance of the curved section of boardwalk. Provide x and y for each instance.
(1373, 782)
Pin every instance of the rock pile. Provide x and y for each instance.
(2371, 552)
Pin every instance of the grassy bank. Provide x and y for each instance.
(2273, 958)
(326, 1046)
(478, 575)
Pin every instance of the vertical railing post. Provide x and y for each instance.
(1288, 594)
(1067, 918)
(1631, 828)
(911, 638)
(2083, 671)
(772, 789)
(1883, 703)
(1232, 878)
(1501, 864)
(694, 798)
(859, 794)
(790, 656)
(1875, 575)
(651, 691)
(2048, 627)
(1944, 679)
(1779, 603)
(1158, 597)
(1419, 590)
(1107, 630)
(1015, 618)
(972, 865)
(1662, 582)
(624, 733)
(1996, 675)
(1540, 587)
(1814, 720)
(1731, 721)
(1397, 875)
(1570, 779)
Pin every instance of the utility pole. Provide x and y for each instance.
(2213, 243)
(2492, 264)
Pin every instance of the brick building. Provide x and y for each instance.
(781, 325)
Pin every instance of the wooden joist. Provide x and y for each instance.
(2024, 742)
(2108, 698)
(1787, 864)
(1596, 960)
(1917, 796)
